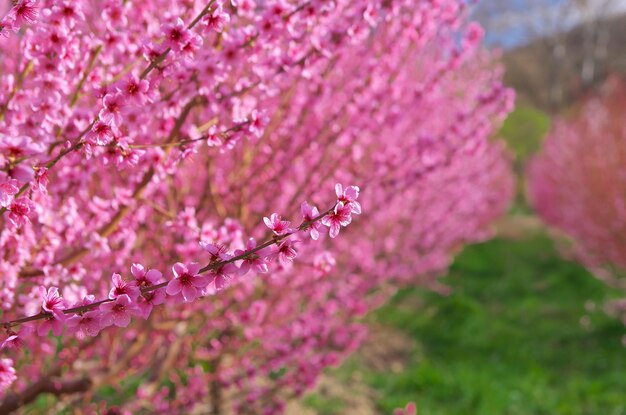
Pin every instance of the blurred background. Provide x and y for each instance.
(525, 329)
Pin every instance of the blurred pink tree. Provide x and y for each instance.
(578, 184)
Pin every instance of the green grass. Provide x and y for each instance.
(509, 340)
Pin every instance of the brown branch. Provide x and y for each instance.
(48, 384)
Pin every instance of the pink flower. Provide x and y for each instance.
(85, 324)
(285, 252)
(258, 121)
(277, 225)
(340, 216)
(145, 278)
(118, 312)
(176, 35)
(308, 214)
(220, 277)
(217, 251)
(54, 322)
(216, 19)
(113, 104)
(135, 89)
(186, 281)
(7, 374)
(101, 133)
(348, 197)
(15, 341)
(255, 260)
(148, 300)
(25, 11)
(8, 189)
(51, 300)
(120, 287)
(19, 211)
(213, 139)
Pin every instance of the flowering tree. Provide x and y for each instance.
(144, 147)
(578, 184)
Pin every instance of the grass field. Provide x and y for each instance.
(516, 337)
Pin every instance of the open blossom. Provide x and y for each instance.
(121, 287)
(8, 189)
(148, 300)
(285, 252)
(7, 374)
(216, 19)
(340, 216)
(221, 276)
(255, 260)
(308, 214)
(217, 251)
(187, 281)
(51, 300)
(348, 197)
(101, 133)
(135, 89)
(15, 340)
(257, 123)
(87, 324)
(25, 11)
(118, 312)
(54, 322)
(277, 224)
(113, 104)
(143, 277)
(176, 35)
(19, 211)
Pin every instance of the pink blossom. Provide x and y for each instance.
(348, 197)
(87, 324)
(25, 11)
(120, 287)
(340, 216)
(285, 252)
(308, 214)
(54, 322)
(135, 89)
(101, 133)
(176, 36)
(113, 105)
(255, 260)
(148, 300)
(19, 211)
(51, 300)
(143, 277)
(7, 374)
(277, 224)
(217, 251)
(8, 189)
(221, 276)
(216, 19)
(186, 281)
(257, 122)
(118, 312)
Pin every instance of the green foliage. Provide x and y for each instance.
(509, 340)
(524, 130)
(323, 404)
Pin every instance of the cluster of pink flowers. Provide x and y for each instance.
(577, 184)
(158, 135)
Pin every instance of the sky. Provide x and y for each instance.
(510, 23)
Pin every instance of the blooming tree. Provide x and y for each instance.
(578, 184)
(167, 224)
